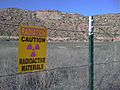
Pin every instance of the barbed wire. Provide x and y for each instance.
(70, 30)
(112, 62)
(110, 35)
(67, 30)
(9, 24)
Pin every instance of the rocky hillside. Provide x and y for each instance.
(63, 27)
(107, 27)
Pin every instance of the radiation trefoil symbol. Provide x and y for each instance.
(30, 47)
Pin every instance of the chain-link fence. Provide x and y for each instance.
(67, 65)
(67, 62)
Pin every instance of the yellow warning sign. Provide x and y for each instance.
(32, 49)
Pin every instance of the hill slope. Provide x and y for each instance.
(62, 27)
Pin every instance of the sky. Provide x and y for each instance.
(84, 7)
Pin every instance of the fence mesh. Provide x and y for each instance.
(67, 62)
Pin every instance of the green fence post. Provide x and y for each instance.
(91, 54)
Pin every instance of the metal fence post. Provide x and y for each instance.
(91, 54)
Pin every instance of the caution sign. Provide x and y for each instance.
(32, 49)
